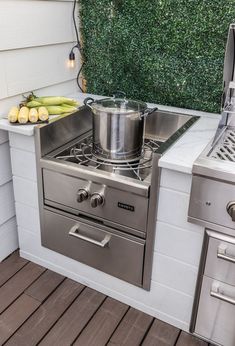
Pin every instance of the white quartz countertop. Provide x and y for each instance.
(180, 156)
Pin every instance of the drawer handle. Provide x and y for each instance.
(222, 297)
(74, 231)
(221, 253)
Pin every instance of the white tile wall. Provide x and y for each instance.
(23, 164)
(173, 209)
(5, 170)
(184, 245)
(28, 217)
(25, 191)
(9, 238)
(174, 273)
(7, 208)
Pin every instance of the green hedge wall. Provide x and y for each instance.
(164, 51)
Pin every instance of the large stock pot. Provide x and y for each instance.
(118, 127)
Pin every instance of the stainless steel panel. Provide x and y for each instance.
(134, 186)
(119, 206)
(215, 319)
(114, 254)
(63, 129)
(209, 199)
(220, 262)
(162, 125)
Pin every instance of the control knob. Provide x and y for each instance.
(96, 199)
(231, 210)
(82, 195)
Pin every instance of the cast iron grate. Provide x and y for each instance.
(82, 154)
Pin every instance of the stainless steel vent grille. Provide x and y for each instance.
(225, 149)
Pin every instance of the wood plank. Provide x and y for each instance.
(14, 287)
(132, 329)
(55, 16)
(74, 319)
(186, 339)
(12, 318)
(10, 266)
(44, 285)
(161, 334)
(46, 65)
(34, 329)
(103, 324)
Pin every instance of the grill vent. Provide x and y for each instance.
(225, 150)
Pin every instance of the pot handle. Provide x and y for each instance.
(88, 101)
(149, 111)
(119, 94)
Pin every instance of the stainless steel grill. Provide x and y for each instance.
(212, 205)
(225, 148)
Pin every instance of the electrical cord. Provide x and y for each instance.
(78, 45)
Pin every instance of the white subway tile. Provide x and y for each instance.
(178, 243)
(23, 164)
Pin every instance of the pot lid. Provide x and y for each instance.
(114, 104)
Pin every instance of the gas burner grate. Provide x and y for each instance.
(225, 149)
(82, 154)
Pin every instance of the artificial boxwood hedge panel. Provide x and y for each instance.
(163, 51)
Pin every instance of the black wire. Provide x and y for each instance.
(75, 24)
(78, 45)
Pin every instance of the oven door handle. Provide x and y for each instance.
(222, 297)
(74, 231)
(222, 254)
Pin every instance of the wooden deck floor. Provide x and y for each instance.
(40, 307)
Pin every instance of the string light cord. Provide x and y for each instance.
(77, 46)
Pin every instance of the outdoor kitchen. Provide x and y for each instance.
(117, 202)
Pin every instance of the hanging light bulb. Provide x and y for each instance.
(71, 62)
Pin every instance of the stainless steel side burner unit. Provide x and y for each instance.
(212, 205)
(99, 212)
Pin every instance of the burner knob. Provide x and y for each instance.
(96, 199)
(82, 195)
(231, 210)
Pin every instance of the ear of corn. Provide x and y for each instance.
(13, 114)
(23, 116)
(33, 115)
(33, 104)
(43, 113)
(60, 109)
(52, 101)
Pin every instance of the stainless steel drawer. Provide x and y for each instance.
(220, 261)
(215, 319)
(120, 206)
(209, 199)
(114, 254)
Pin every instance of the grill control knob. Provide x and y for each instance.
(96, 199)
(82, 195)
(231, 210)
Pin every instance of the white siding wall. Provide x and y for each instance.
(35, 40)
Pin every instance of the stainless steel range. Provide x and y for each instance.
(212, 205)
(96, 211)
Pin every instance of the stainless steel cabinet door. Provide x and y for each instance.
(216, 312)
(120, 256)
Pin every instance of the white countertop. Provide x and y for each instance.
(180, 156)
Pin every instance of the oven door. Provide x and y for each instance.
(103, 248)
